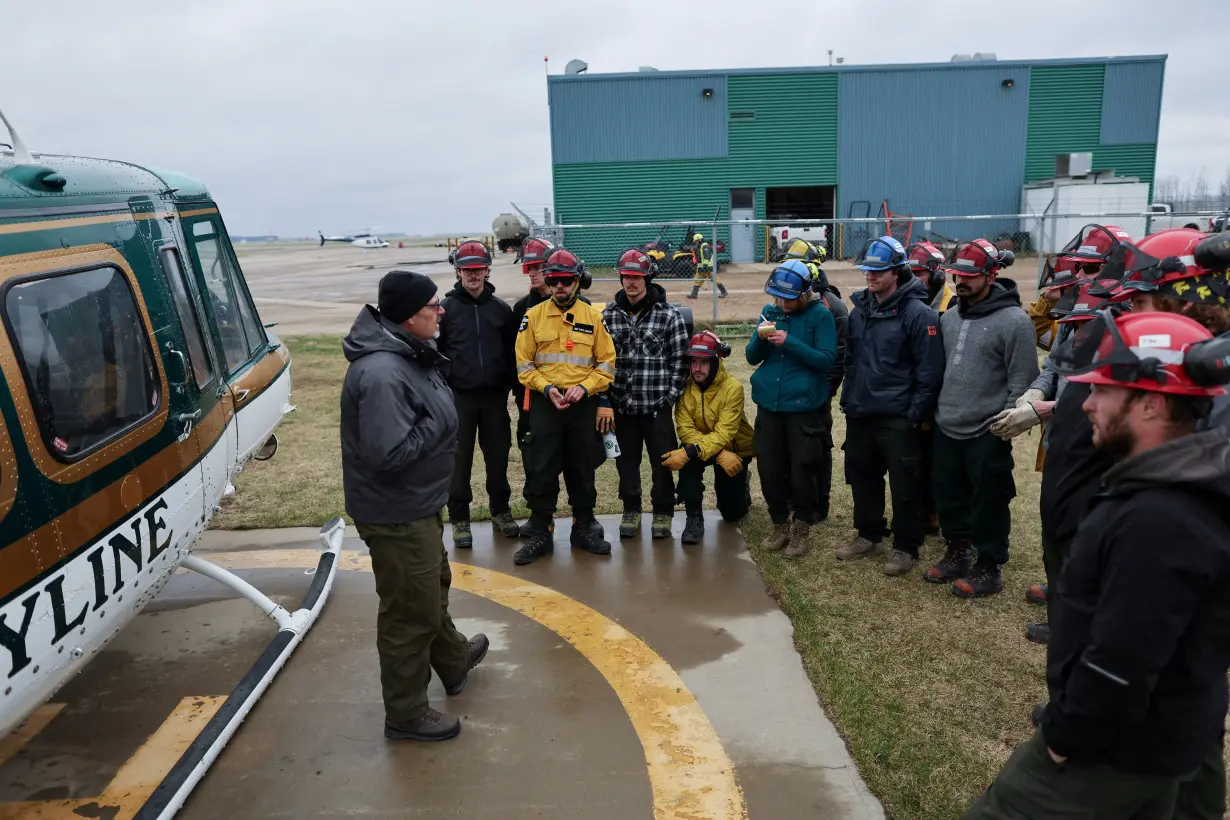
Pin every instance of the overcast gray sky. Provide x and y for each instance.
(431, 117)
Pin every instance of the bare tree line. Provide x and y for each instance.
(1195, 193)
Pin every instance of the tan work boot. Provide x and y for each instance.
(899, 563)
(800, 540)
(859, 547)
(776, 539)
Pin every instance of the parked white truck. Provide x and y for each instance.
(1163, 219)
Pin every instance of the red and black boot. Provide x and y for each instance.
(983, 579)
(955, 563)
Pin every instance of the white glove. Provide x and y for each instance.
(1030, 395)
(1011, 423)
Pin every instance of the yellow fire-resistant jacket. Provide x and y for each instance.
(565, 348)
(1045, 327)
(714, 419)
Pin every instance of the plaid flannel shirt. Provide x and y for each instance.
(650, 370)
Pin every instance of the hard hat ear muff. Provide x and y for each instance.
(723, 349)
(585, 277)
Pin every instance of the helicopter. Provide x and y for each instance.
(138, 381)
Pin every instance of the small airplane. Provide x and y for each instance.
(138, 381)
(359, 240)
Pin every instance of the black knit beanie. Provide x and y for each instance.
(403, 293)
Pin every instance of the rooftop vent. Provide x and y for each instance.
(976, 57)
(576, 67)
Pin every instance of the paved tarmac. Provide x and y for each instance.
(659, 681)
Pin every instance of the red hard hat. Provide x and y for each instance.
(634, 262)
(1159, 259)
(471, 255)
(1146, 351)
(925, 256)
(706, 345)
(534, 252)
(1094, 243)
(976, 258)
(562, 261)
(1077, 304)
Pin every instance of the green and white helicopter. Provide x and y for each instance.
(138, 381)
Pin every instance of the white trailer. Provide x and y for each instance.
(1092, 195)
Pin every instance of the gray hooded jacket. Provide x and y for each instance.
(399, 425)
(989, 360)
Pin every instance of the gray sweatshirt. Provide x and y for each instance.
(990, 361)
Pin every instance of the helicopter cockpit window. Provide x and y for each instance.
(85, 356)
(178, 284)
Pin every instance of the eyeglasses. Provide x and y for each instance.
(436, 305)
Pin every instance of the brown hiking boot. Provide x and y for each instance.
(899, 563)
(800, 540)
(776, 539)
(859, 547)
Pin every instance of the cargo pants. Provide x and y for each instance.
(876, 445)
(562, 441)
(1031, 784)
(414, 631)
(655, 435)
(790, 449)
(974, 489)
(483, 416)
(734, 493)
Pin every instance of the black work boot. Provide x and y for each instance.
(541, 542)
(983, 579)
(955, 563)
(526, 529)
(722, 291)
(585, 537)
(431, 725)
(463, 539)
(695, 291)
(1038, 633)
(693, 527)
(476, 651)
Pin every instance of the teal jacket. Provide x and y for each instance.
(794, 378)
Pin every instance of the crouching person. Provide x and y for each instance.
(713, 431)
(795, 346)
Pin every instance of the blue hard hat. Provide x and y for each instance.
(791, 280)
(881, 254)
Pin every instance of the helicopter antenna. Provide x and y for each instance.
(20, 153)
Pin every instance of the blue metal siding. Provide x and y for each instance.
(1131, 102)
(933, 142)
(637, 119)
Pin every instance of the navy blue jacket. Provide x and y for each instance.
(894, 356)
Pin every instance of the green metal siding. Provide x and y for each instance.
(793, 138)
(1065, 115)
(1138, 160)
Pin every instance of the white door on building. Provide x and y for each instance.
(742, 237)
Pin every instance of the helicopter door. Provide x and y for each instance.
(202, 385)
(229, 335)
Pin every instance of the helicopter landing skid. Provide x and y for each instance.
(174, 789)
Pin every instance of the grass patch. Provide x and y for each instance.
(930, 692)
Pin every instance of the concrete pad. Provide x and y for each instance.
(544, 733)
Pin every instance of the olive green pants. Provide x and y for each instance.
(1033, 785)
(414, 632)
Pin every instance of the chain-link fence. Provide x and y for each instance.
(691, 256)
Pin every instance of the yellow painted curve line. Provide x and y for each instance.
(689, 772)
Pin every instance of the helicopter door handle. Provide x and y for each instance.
(241, 394)
(183, 363)
(187, 419)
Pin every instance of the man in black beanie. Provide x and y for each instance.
(399, 433)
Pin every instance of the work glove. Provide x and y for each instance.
(1011, 423)
(606, 416)
(676, 459)
(729, 462)
(1029, 396)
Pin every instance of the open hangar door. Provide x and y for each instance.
(786, 205)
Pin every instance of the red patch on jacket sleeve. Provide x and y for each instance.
(930, 330)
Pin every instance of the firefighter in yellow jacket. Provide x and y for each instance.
(565, 359)
(704, 267)
(712, 426)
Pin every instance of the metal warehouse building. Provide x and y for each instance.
(953, 138)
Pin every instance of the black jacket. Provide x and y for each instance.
(894, 355)
(477, 337)
(1073, 470)
(399, 425)
(1140, 624)
(831, 297)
